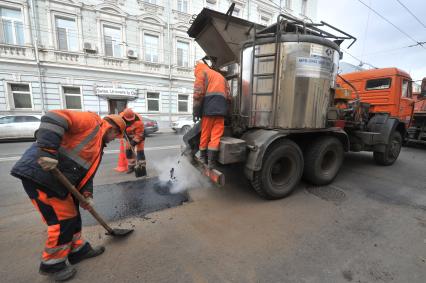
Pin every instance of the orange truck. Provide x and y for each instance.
(388, 91)
(417, 130)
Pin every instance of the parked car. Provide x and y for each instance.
(182, 125)
(151, 126)
(14, 127)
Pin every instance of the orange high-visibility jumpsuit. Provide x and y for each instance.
(211, 101)
(75, 140)
(135, 132)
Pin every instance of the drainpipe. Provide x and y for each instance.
(248, 10)
(35, 28)
(170, 60)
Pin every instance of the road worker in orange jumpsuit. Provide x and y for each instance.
(73, 142)
(135, 132)
(211, 104)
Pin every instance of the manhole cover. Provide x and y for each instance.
(328, 193)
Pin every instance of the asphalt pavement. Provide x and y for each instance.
(369, 225)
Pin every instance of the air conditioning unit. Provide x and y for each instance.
(89, 48)
(132, 54)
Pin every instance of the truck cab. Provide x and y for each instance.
(387, 90)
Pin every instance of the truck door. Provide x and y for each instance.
(406, 101)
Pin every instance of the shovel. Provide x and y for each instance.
(116, 232)
(140, 168)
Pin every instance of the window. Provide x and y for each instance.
(150, 43)
(236, 12)
(182, 6)
(7, 120)
(25, 119)
(406, 89)
(304, 8)
(288, 4)
(66, 34)
(183, 103)
(72, 98)
(378, 84)
(21, 96)
(265, 20)
(182, 54)
(153, 100)
(11, 26)
(112, 39)
(31, 119)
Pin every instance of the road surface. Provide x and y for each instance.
(369, 225)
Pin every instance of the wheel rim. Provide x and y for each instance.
(185, 129)
(328, 160)
(394, 148)
(281, 171)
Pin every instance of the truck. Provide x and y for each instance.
(289, 118)
(390, 91)
(417, 129)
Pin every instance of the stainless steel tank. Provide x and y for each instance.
(307, 67)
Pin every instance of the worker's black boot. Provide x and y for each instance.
(130, 169)
(84, 253)
(212, 159)
(203, 156)
(58, 272)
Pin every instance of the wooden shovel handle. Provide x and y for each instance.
(58, 174)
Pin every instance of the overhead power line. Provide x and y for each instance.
(359, 60)
(395, 26)
(412, 14)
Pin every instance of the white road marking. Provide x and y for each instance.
(112, 151)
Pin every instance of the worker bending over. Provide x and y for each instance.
(135, 133)
(73, 142)
(211, 103)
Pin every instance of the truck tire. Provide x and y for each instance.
(393, 148)
(323, 159)
(281, 171)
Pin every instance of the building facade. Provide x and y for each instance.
(102, 56)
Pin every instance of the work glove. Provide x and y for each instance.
(133, 143)
(90, 203)
(196, 112)
(47, 163)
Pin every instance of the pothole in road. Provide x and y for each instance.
(328, 193)
(133, 199)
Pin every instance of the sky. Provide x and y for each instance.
(378, 42)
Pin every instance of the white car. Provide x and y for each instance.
(182, 125)
(13, 127)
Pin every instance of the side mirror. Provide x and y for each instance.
(423, 89)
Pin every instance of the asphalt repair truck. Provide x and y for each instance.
(289, 119)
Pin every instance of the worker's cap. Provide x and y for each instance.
(117, 122)
(128, 114)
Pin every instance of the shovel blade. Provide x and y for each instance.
(117, 232)
(140, 171)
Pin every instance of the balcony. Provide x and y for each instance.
(69, 57)
(151, 8)
(16, 52)
(111, 62)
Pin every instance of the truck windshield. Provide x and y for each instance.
(378, 84)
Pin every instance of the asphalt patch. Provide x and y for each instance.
(133, 199)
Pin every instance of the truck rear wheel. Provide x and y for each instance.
(392, 150)
(323, 159)
(281, 171)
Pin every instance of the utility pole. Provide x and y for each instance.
(35, 30)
